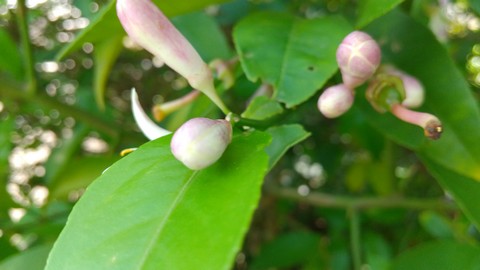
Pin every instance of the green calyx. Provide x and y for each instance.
(384, 91)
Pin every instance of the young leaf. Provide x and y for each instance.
(262, 108)
(284, 137)
(371, 9)
(148, 211)
(296, 56)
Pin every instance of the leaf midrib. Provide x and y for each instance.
(160, 228)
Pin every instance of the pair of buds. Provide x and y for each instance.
(359, 57)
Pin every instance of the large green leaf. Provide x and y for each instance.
(107, 19)
(295, 55)
(6, 128)
(369, 10)
(444, 255)
(32, 259)
(414, 49)
(465, 191)
(148, 211)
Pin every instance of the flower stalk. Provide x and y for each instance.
(160, 111)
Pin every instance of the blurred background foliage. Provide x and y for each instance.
(350, 195)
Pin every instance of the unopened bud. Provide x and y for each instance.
(151, 29)
(358, 57)
(200, 142)
(335, 101)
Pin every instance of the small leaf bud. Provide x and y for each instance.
(335, 101)
(358, 57)
(200, 142)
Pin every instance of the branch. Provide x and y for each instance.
(346, 202)
(26, 47)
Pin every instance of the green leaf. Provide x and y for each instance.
(204, 34)
(10, 58)
(475, 6)
(414, 49)
(369, 10)
(77, 174)
(435, 224)
(148, 211)
(32, 259)
(6, 128)
(284, 137)
(444, 255)
(296, 56)
(288, 250)
(107, 19)
(465, 191)
(105, 55)
(262, 108)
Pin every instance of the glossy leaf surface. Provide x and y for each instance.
(296, 56)
(371, 9)
(148, 211)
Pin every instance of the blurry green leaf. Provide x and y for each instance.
(378, 252)
(107, 19)
(204, 34)
(465, 191)
(10, 58)
(148, 211)
(444, 255)
(262, 108)
(6, 128)
(287, 251)
(61, 155)
(78, 174)
(475, 5)
(369, 10)
(104, 55)
(31, 259)
(414, 49)
(283, 137)
(436, 225)
(296, 56)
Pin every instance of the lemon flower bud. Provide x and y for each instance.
(358, 57)
(151, 29)
(335, 101)
(200, 142)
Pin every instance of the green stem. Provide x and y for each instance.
(26, 47)
(355, 238)
(345, 202)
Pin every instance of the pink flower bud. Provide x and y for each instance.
(149, 27)
(200, 142)
(358, 57)
(335, 101)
